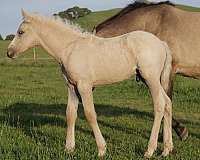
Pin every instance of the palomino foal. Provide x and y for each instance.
(87, 61)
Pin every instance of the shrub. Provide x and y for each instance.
(73, 13)
(10, 37)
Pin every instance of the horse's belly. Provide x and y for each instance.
(112, 73)
(110, 79)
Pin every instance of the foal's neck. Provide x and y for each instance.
(56, 38)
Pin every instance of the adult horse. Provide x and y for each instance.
(180, 29)
(87, 60)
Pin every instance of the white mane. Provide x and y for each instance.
(62, 23)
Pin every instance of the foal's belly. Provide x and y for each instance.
(112, 72)
(110, 79)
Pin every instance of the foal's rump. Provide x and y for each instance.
(151, 53)
(136, 50)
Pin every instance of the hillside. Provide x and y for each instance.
(93, 19)
(188, 8)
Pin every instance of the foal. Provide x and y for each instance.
(87, 61)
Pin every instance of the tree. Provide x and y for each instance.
(73, 13)
(143, 1)
(1, 38)
(10, 37)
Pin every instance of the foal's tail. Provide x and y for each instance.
(167, 70)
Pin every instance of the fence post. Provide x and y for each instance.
(34, 54)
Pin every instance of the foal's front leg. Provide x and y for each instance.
(85, 91)
(71, 115)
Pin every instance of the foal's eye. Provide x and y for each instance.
(21, 32)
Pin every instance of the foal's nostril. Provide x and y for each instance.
(10, 53)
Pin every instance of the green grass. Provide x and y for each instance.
(95, 18)
(32, 117)
(188, 8)
(33, 99)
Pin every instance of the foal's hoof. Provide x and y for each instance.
(167, 151)
(102, 152)
(148, 154)
(69, 148)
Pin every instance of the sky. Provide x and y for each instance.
(10, 10)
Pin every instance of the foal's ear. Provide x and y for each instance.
(27, 16)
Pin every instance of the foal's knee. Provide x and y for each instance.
(71, 113)
(168, 110)
(168, 106)
(159, 107)
(90, 115)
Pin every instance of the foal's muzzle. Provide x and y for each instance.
(10, 52)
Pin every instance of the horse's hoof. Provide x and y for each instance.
(148, 155)
(184, 134)
(69, 148)
(102, 152)
(167, 151)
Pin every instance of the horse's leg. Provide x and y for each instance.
(180, 130)
(85, 91)
(71, 115)
(167, 134)
(159, 106)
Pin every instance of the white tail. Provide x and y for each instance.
(167, 70)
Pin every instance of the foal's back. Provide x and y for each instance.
(110, 60)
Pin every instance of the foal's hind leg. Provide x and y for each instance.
(167, 134)
(71, 114)
(85, 91)
(159, 105)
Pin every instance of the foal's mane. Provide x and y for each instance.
(131, 7)
(62, 23)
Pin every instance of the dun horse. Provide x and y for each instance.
(87, 60)
(180, 29)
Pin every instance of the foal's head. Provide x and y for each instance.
(25, 38)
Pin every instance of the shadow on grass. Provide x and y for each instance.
(59, 110)
(26, 115)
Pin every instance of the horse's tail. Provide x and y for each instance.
(167, 70)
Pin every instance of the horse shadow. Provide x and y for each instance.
(22, 115)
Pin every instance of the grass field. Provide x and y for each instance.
(33, 99)
(32, 117)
